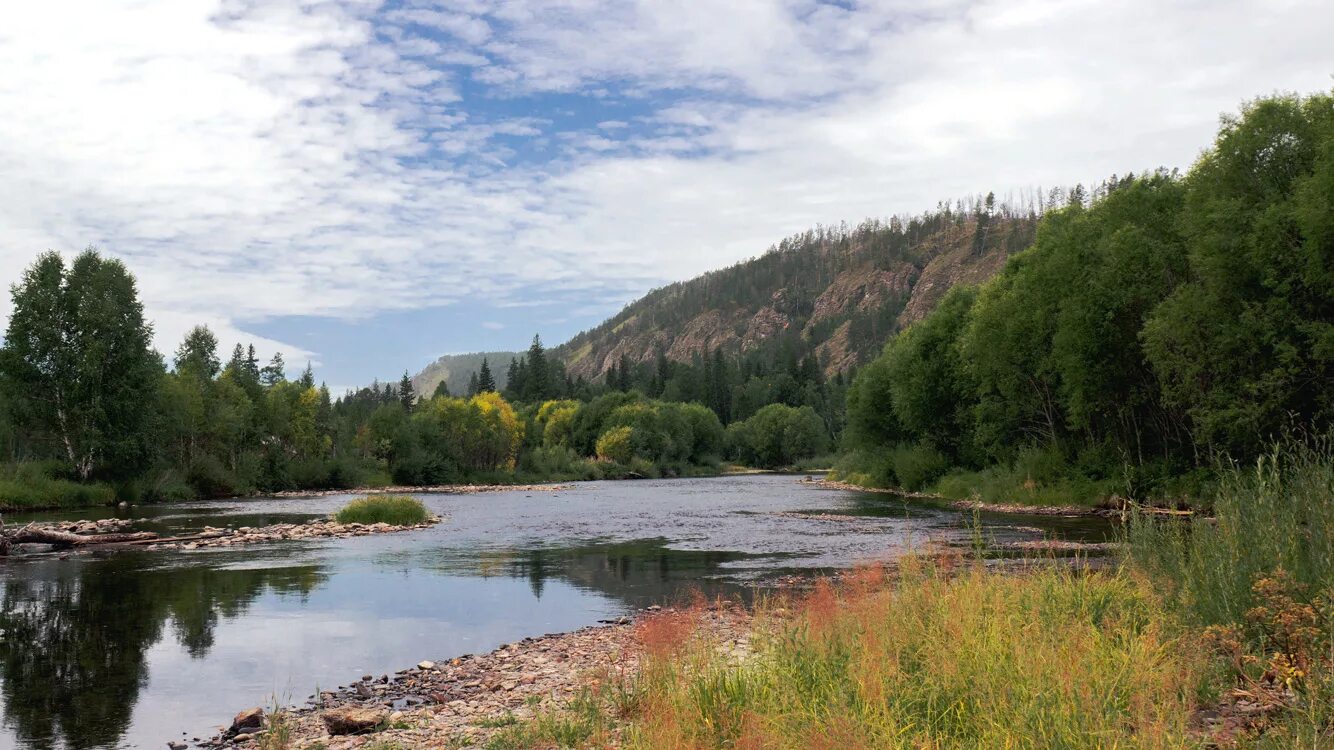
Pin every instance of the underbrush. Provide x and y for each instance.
(1257, 577)
(395, 510)
(40, 486)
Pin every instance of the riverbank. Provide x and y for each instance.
(1039, 657)
(1115, 508)
(437, 489)
(480, 700)
(105, 534)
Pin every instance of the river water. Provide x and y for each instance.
(129, 649)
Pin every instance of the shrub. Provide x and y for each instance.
(778, 435)
(616, 444)
(396, 510)
(917, 466)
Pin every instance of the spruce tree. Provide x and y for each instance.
(441, 390)
(307, 380)
(486, 383)
(275, 371)
(406, 394)
(537, 387)
(472, 384)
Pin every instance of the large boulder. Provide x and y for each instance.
(352, 720)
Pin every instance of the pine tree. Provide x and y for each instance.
(275, 371)
(486, 383)
(472, 384)
(442, 389)
(406, 394)
(307, 380)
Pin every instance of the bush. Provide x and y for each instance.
(616, 444)
(778, 435)
(395, 510)
(917, 466)
(210, 478)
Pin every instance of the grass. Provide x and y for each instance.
(37, 486)
(581, 723)
(395, 510)
(1257, 577)
(939, 659)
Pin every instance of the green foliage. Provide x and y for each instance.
(40, 486)
(1247, 344)
(777, 436)
(76, 363)
(396, 510)
(1144, 331)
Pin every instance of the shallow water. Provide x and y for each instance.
(127, 649)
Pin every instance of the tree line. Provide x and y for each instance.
(1170, 321)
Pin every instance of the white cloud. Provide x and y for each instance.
(253, 160)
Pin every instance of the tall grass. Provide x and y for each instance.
(1257, 578)
(1050, 659)
(395, 510)
(1276, 515)
(38, 486)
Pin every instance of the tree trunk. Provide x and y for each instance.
(40, 535)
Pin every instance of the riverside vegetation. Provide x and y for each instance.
(1143, 335)
(1208, 633)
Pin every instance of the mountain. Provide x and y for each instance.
(454, 370)
(838, 293)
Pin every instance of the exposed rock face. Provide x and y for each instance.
(353, 720)
(956, 263)
(844, 296)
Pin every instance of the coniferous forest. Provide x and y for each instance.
(1140, 333)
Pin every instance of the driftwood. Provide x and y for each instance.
(34, 534)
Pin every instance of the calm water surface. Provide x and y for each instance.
(127, 649)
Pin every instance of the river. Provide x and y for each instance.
(130, 649)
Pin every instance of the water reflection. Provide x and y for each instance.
(122, 650)
(72, 657)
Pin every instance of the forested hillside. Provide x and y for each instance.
(457, 370)
(835, 292)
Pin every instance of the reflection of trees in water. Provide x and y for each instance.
(72, 653)
(638, 573)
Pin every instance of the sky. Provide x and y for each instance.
(366, 185)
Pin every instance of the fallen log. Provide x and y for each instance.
(41, 535)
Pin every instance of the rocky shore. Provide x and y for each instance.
(316, 529)
(463, 701)
(438, 489)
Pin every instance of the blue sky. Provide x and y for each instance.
(367, 184)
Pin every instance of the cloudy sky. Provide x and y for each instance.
(369, 184)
